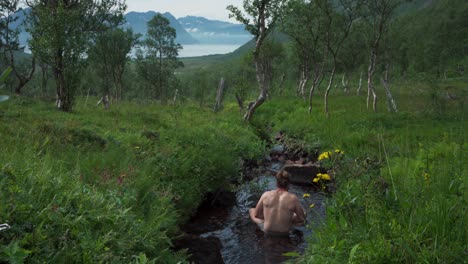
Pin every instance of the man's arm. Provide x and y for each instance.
(256, 214)
(299, 213)
(259, 208)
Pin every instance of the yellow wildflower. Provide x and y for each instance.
(324, 176)
(316, 180)
(311, 205)
(324, 155)
(305, 195)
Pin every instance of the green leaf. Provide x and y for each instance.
(5, 74)
(352, 253)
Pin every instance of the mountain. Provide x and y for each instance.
(21, 15)
(138, 22)
(214, 31)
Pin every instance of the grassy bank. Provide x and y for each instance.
(109, 186)
(401, 195)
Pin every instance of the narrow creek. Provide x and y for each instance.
(242, 241)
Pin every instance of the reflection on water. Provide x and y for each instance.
(243, 242)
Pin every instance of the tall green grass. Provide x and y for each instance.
(110, 186)
(401, 188)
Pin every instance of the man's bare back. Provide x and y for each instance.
(278, 211)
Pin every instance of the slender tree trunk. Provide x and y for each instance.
(370, 85)
(327, 92)
(304, 79)
(260, 68)
(176, 95)
(63, 93)
(281, 85)
(240, 102)
(345, 84)
(45, 79)
(391, 104)
(261, 79)
(62, 100)
(360, 85)
(219, 96)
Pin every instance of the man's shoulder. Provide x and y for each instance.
(292, 196)
(268, 193)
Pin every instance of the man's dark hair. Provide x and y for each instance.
(282, 179)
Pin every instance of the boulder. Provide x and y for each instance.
(303, 174)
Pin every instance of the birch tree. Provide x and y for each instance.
(161, 46)
(61, 31)
(303, 22)
(109, 56)
(258, 17)
(380, 13)
(341, 16)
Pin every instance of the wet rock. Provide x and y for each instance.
(275, 167)
(204, 250)
(303, 174)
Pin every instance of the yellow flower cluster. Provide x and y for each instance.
(324, 155)
(321, 176)
(311, 205)
(324, 176)
(328, 154)
(305, 195)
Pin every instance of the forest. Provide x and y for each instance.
(110, 143)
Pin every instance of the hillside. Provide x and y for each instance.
(138, 22)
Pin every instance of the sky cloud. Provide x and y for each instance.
(212, 9)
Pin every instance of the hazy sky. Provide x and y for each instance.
(213, 9)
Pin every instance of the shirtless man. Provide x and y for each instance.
(278, 210)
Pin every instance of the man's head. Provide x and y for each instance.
(282, 179)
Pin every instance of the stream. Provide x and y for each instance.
(242, 241)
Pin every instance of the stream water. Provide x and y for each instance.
(242, 241)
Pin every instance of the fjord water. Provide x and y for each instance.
(197, 50)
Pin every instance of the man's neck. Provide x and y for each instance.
(279, 189)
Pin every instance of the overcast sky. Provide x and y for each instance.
(212, 9)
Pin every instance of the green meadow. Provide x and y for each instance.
(114, 186)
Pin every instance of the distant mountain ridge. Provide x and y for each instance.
(214, 31)
(189, 29)
(138, 22)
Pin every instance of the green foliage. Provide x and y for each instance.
(61, 32)
(424, 44)
(110, 66)
(160, 56)
(83, 189)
